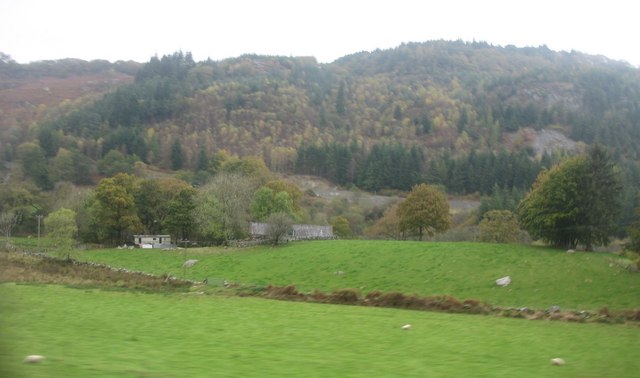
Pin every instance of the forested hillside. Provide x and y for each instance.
(464, 115)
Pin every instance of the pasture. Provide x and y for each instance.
(88, 332)
(542, 277)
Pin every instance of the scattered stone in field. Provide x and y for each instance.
(504, 281)
(557, 361)
(406, 327)
(554, 308)
(33, 359)
(189, 263)
(537, 315)
(571, 251)
(339, 273)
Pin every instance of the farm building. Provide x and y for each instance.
(152, 241)
(297, 231)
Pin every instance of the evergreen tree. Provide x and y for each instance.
(180, 216)
(341, 107)
(203, 160)
(176, 155)
(602, 205)
(34, 164)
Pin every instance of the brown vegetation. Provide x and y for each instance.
(18, 267)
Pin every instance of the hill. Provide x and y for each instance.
(437, 111)
(542, 277)
(32, 93)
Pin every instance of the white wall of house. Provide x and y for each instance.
(154, 240)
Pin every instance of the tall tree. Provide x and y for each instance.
(152, 198)
(425, 210)
(61, 230)
(634, 234)
(180, 218)
(575, 202)
(223, 210)
(278, 225)
(266, 201)
(551, 210)
(203, 160)
(602, 200)
(341, 107)
(34, 164)
(8, 220)
(113, 211)
(176, 155)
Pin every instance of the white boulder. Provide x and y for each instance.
(189, 263)
(33, 359)
(504, 281)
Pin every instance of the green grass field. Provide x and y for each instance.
(541, 276)
(95, 333)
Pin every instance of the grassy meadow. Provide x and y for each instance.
(542, 277)
(94, 333)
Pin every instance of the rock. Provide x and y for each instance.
(33, 359)
(557, 361)
(554, 308)
(571, 251)
(504, 281)
(189, 263)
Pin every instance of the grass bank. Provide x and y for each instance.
(94, 333)
(542, 277)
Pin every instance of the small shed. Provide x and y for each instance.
(155, 241)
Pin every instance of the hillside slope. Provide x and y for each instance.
(438, 100)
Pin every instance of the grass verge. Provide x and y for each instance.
(94, 333)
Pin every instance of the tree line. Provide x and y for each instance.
(393, 166)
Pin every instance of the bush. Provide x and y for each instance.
(345, 296)
(282, 292)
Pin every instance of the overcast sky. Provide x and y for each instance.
(327, 29)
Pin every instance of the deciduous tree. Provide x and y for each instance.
(267, 201)
(224, 206)
(575, 202)
(34, 164)
(425, 210)
(278, 226)
(8, 220)
(113, 211)
(61, 229)
(499, 226)
(341, 227)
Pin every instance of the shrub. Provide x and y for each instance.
(319, 296)
(282, 292)
(392, 299)
(345, 296)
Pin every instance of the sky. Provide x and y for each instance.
(33, 30)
